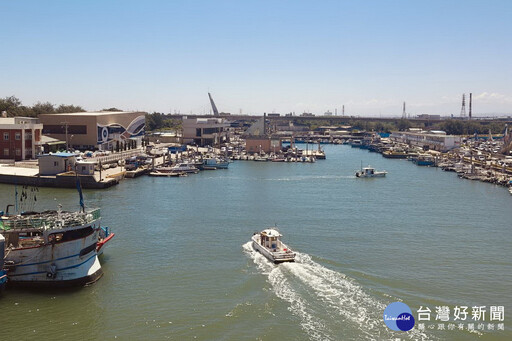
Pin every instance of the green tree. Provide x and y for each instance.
(43, 108)
(111, 109)
(11, 105)
(63, 108)
(403, 124)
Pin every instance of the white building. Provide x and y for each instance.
(436, 140)
(52, 164)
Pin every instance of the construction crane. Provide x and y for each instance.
(214, 107)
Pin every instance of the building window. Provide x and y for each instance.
(17, 136)
(61, 129)
(28, 136)
(6, 151)
(6, 136)
(55, 164)
(18, 152)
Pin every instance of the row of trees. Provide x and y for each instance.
(459, 127)
(158, 121)
(368, 125)
(451, 127)
(13, 107)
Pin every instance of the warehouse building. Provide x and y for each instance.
(95, 130)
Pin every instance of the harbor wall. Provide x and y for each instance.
(59, 181)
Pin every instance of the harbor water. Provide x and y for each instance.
(181, 266)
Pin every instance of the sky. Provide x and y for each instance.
(260, 56)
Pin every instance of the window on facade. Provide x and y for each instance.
(28, 136)
(61, 129)
(211, 130)
(17, 136)
(18, 152)
(6, 151)
(55, 163)
(6, 136)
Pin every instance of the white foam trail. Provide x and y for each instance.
(307, 286)
(313, 326)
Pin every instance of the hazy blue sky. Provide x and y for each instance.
(259, 56)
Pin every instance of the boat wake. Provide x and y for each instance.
(329, 305)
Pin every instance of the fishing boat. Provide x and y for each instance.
(52, 248)
(395, 154)
(370, 172)
(424, 160)
(268, 243)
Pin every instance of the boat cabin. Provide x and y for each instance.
(368, 171)
(270, 239)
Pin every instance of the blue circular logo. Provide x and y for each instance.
(398, 316)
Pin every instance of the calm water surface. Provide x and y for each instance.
(181, 268)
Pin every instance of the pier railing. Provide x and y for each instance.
(52, 220)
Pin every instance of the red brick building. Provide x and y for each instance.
(19, 138)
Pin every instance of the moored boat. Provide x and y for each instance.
(425, 160)
(184, 167)
(52, 248)
(268, 243)
(395, 154)
(215, 163)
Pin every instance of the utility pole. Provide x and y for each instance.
(66, 127)
(470, 98)
(463, 109)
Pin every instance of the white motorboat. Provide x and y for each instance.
(268, 243)
(370, 172)
(215, 163)
(184, 167)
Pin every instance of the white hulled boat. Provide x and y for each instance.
(215, 163)
(268, 243)
(370, 172)
(52, 248)
(185, 168)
